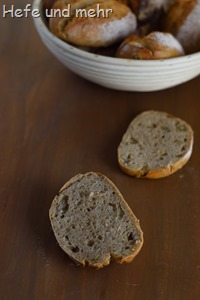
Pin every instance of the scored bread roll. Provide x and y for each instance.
(183, 21)
(155, 145)
(156, 45)
(94, 31)
(93, 223)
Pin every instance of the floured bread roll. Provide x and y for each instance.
(156, 45)
(96, 31)
(183, 21)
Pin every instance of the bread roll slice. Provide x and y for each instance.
(93, 223)
(155, 145)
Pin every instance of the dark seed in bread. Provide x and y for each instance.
(155, 145)
(93, 223)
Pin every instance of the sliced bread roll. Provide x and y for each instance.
(93, 223)
(155, 145)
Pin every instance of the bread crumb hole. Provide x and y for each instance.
(133, 236)
(113, 205)
(133, 140)
(64, 203)
(90, 243)
(120, 212)
(80, 202)
(100, 237)
(75, 249)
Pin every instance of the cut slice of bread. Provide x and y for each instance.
(155, 145)
(93, 223)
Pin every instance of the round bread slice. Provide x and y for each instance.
(93, 223)
(155, 145)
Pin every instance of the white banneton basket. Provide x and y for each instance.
(118, 73)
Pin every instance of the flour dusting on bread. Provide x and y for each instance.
(165, 40)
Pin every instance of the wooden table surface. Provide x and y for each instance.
(53, 125)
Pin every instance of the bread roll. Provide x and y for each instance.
(183, 21)
(156, 45)
(98, 31)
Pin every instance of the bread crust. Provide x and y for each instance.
(136, 247)
(165, 171)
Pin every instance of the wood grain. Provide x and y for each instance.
(55, 124)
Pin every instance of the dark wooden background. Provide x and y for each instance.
(53, 125)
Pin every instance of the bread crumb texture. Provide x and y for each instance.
(155, 145)
(93, 223)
